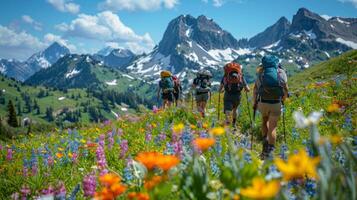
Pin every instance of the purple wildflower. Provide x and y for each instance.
(110, 140)
(89, 185)
(148, 137)
(101, 140)
(9, 154)
(101, 161)
(60, 192)
(123, 148)
(49, 191)
(25, 191)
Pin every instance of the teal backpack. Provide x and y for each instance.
(167, 84)
(271, 83)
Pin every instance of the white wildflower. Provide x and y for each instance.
(303, 122)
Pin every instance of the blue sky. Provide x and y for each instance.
(85, 26)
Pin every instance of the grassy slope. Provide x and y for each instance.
(52, 100)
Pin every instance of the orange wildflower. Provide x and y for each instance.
(333, 108)
(166, 162)
(117, 189)
(204, 143)
(59, 155)
(148, 159)
(109, 179)
(138, 196)
(149, 184)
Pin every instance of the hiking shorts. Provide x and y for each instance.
(169, 96)
(231, 101)
(269, 110)
(200, 97)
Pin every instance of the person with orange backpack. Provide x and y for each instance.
(166, 87)
(232, 84)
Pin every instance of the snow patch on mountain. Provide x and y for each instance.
(2, 68)
(311, 34)
(326, 17)
(272, 45)
(72, 73)
(351, 44)
(111, 83)
(128, 76)
(342, 22)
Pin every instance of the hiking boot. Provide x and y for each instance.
(271, 149)
(265, 149)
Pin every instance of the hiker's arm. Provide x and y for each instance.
(286, 92)
(221, 88)
(255, 92)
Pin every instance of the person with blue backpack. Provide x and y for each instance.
(166, 87)
(270, 91)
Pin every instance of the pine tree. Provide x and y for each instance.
(49, 114)
(12, 118)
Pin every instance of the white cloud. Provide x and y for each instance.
(107, 27)
(29, 20)
(65, 6)
(354, 2)
(19, 45)
(132, 5)
(49, 38)
(218, 3)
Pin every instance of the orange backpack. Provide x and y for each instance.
(233, 73)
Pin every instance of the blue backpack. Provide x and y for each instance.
(271, 87)
(167, 84)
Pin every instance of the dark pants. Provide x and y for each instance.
(231, 101)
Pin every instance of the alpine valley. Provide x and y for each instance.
(114, 81)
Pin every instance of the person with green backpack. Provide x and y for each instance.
(270, 91)
(166, 87)
(202, 86)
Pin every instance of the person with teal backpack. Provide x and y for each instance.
(166, 87)
(270, 91)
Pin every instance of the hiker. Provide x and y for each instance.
(177, 90)
(232, 84)
(270, 91)
(202, 86)
(166, 87)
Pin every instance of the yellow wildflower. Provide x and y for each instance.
(336, 139)
(193, 127)
(83, 141)
(205, 125)
(178, 128)
(333, 108)
(261, 189)
(217, 131)
(298, 166)
(60, 149)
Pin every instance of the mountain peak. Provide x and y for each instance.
(272, 34)
(201, 30)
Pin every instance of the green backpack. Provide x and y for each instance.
(167, 84)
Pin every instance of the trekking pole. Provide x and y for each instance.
(192, 101)
(284, 110)
(219, 105)
(250, 120)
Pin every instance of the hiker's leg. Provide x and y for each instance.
(228, 116)
(234, 114)
(265, 126)
(273, 123)
(203, 108)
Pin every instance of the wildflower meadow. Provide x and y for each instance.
(176, 154)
